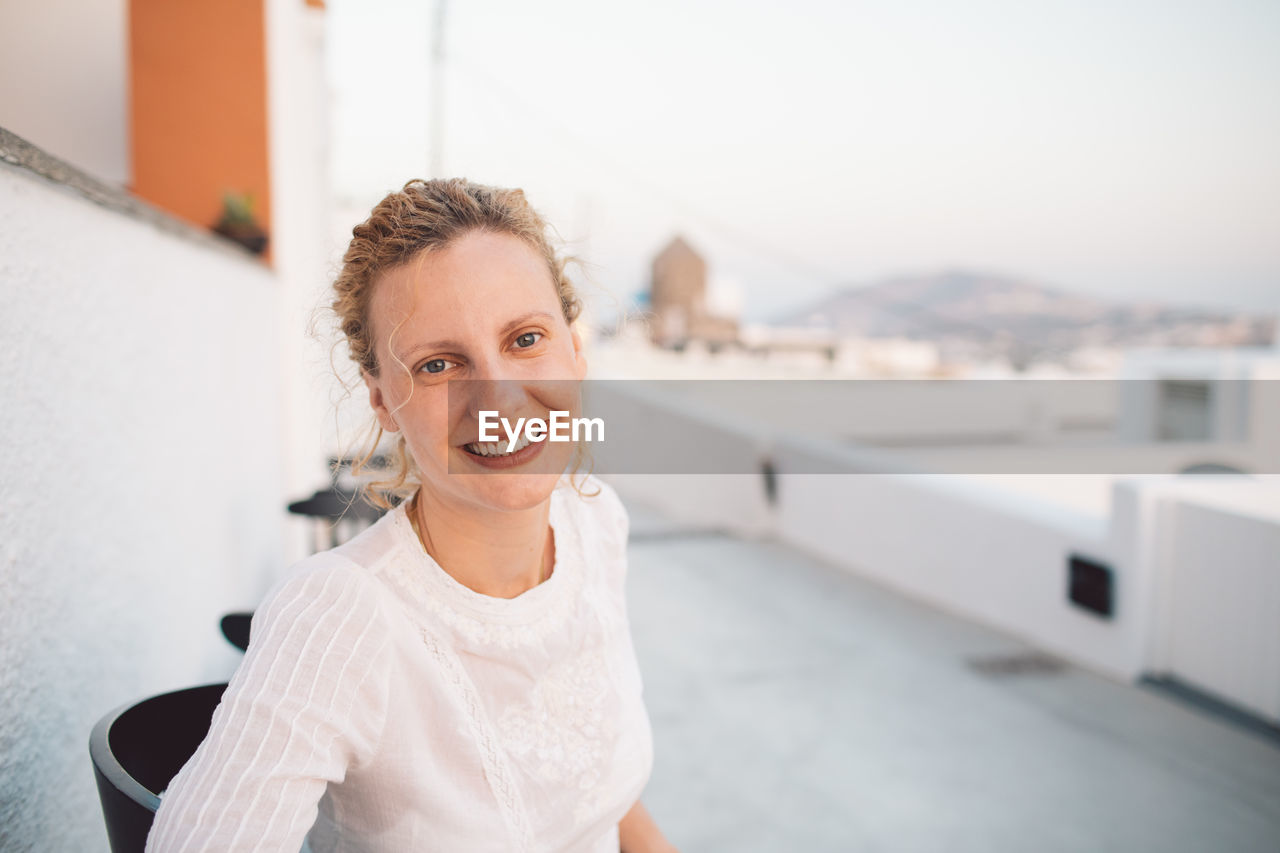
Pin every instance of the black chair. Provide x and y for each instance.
(340, 513)
(335, 508)
(235, 627)
(137, 749)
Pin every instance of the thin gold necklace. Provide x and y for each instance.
(424, 538)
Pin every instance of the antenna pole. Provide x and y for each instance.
(437, 93)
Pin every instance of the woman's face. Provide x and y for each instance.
(484, 308)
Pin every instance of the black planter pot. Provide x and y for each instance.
(251, 237)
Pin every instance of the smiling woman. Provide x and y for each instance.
(460, 676)
(483, 308)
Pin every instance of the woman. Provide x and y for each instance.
(460, 676)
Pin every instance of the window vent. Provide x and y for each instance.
(1089, 585)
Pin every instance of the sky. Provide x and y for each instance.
(1123, 149)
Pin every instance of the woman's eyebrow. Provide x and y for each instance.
(450, 345)
(524, 318)
(434, 346)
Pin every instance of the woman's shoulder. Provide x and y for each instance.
(324, 594)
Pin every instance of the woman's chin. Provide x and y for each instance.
(510, 487)
(512, 492)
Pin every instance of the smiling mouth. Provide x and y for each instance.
(496, 449)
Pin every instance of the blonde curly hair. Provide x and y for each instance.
(426, 216)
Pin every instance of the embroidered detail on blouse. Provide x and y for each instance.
(566, 732)
(496, 771)
(465, 610)
(503, 636)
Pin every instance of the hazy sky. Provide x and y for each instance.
(1128, 148)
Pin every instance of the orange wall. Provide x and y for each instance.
(199, 105)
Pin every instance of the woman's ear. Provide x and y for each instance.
(379, 404)
(579, 356)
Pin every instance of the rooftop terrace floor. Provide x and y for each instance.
(796, 707)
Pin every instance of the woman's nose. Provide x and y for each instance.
(489, 387)
(490, 368)
(504, 396)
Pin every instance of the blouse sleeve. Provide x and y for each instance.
(307, 702)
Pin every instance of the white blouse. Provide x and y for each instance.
(384, 706)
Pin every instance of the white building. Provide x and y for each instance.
(161, 404)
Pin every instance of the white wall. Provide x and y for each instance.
(1224, 577)
(1211, 550)
(901, 413)
(64, 81)
(965, 547)
(653, 433)
(140, 487)
(298, 104)
(970, 548)
(1103, 460)
(1195, 561)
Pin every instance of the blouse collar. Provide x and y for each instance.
(486, 618)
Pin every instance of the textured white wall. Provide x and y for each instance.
(140, 484)
(302, 245)
(64, 80)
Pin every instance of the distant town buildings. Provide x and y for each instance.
(950, 323)
(678, 298)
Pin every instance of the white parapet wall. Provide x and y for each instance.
(1224, 605)
(665, 444)
(1209, 550)
(971, 549)
(141, 485)
(1193, 561)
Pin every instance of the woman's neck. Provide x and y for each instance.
(496, 553)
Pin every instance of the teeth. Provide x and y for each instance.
(498, 448)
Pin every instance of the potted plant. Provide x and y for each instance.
(238, 223)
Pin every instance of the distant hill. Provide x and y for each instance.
(979, 314)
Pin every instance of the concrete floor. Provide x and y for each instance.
(798, 708)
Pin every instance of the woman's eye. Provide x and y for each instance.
(435, 365)
(528, 339)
